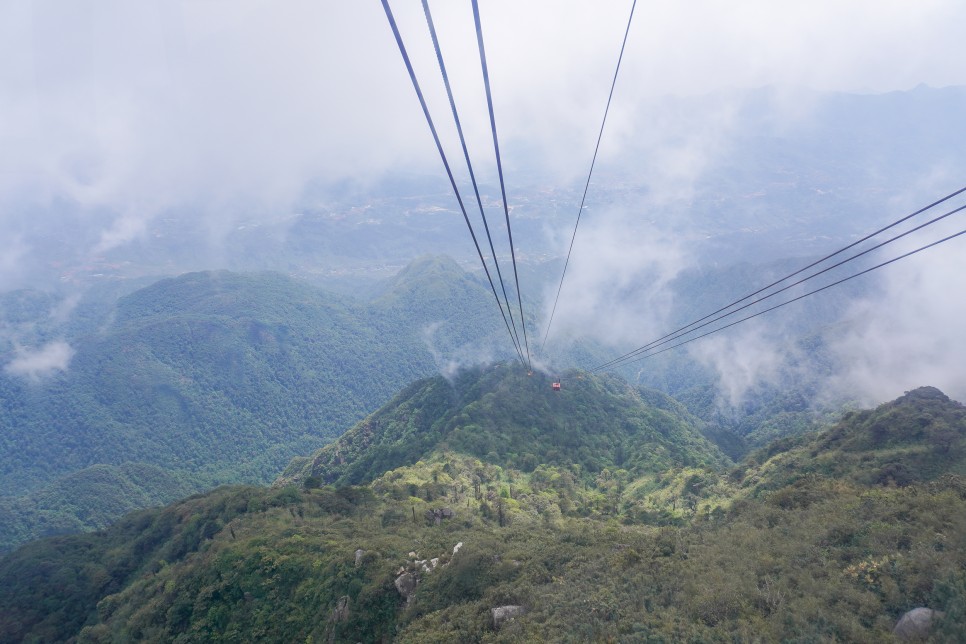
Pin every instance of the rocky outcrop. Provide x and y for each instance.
(340, 614)
(341, 611)
(438, 514)
(426, 565)
(915, 624)
(408, 576)
(406, 585)
(503, 614)
(359, 553)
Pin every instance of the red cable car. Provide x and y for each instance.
(556, 385)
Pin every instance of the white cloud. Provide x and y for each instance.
(450, 362)
(34, 365)
(616, 285)
(231, 108)
(912, 335)
(13, 250)
(114, 113)
(743, 359)
(905, 332)
(121, 231)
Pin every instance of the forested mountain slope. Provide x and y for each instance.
(824, 551)
(505, 417)
(219, 377)
(223, 377)
(916, 438)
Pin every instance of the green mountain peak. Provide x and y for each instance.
(916, 438)
(505, 417)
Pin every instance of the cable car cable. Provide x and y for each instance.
(589, 174)
(469, 165)
(676, 335)
(778, 306)
(790, 275)
(499, 168)
(442, 154)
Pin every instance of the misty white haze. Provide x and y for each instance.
(34, 365)
(119, 118)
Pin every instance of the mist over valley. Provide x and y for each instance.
(256, 383)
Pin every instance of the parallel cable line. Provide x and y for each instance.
(442, 155)
(469, 166)
(499, 168)
(778, 306)
(789, 276)
(589, 175)
(677, 335)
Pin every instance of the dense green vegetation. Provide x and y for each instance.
(805, 541)
(214, 377)
(913, 439)
(504, 416)
(219, 377)
(90, 498)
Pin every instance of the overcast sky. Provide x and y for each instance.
(129, 108)
(114, 112)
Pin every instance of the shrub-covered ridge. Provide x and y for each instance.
(758, 553)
